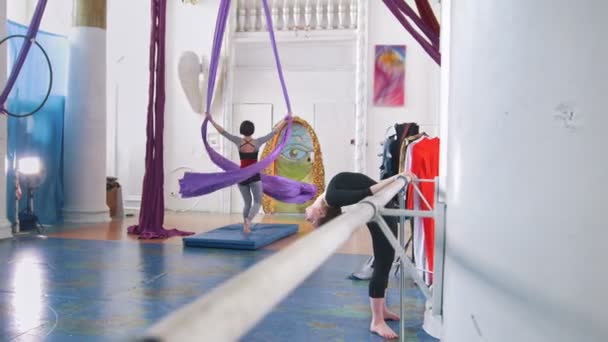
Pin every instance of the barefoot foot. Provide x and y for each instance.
(390, 316)
(383, 330)
(246, 228)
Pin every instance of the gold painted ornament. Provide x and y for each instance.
(301, 159)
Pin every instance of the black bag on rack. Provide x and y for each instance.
(392, 145)
(403, 130)
(386, 169)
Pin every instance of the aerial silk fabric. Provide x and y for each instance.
(32, 31)
(427, 15)
(426, 22)
(280, 188)
(39, 135)
(152, 213)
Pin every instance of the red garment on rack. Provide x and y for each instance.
(425, 165)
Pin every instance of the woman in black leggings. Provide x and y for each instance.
(348, 188)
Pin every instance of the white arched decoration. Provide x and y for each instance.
(193, 73)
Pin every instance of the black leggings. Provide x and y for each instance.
(348, 188)
(384, 254)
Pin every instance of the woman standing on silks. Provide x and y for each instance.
(249, 147)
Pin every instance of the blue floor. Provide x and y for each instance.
(81, 290)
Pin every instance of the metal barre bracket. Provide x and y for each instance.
(374, 206)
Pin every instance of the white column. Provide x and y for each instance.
(242, 14)
(319, 14)
(263, 22)
(274, 14)
(296, 14)
(286, 15)
(361, 91)
(330, 14)
(353, 14)
(526, 231)
(252, 13)
(85, 118)
(444, 96)
(341, 13)
(5, 225)
(307, 14)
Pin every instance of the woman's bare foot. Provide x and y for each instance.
(383, 330)
(246, 227)
(389, 315)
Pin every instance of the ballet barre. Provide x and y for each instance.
(274, 278)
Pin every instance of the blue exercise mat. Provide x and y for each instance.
(232, 236)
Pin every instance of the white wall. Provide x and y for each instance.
(314, 72)
(421, 84)
(444, 93)
(128, 37)
(422, 81)
(320, 77)
(188, 28)
(3, 51)
(17, 10)
(57, 15)
(5, 228)
(191, 28)
(526, 231)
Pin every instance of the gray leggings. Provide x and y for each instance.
(247, 191)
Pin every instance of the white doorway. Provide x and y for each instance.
(334, 124)
(261, 114)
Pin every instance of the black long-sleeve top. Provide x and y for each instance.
(347, 188)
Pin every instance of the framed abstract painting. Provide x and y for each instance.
(389, 75)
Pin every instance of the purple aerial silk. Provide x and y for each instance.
(280, 188)
(400, 10)
(152, 213)
(428, 30)
(32, 31)
(428, 16)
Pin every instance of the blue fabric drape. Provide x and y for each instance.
(39, 135)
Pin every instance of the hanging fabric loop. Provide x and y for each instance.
(280, 188)
(25, 48)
